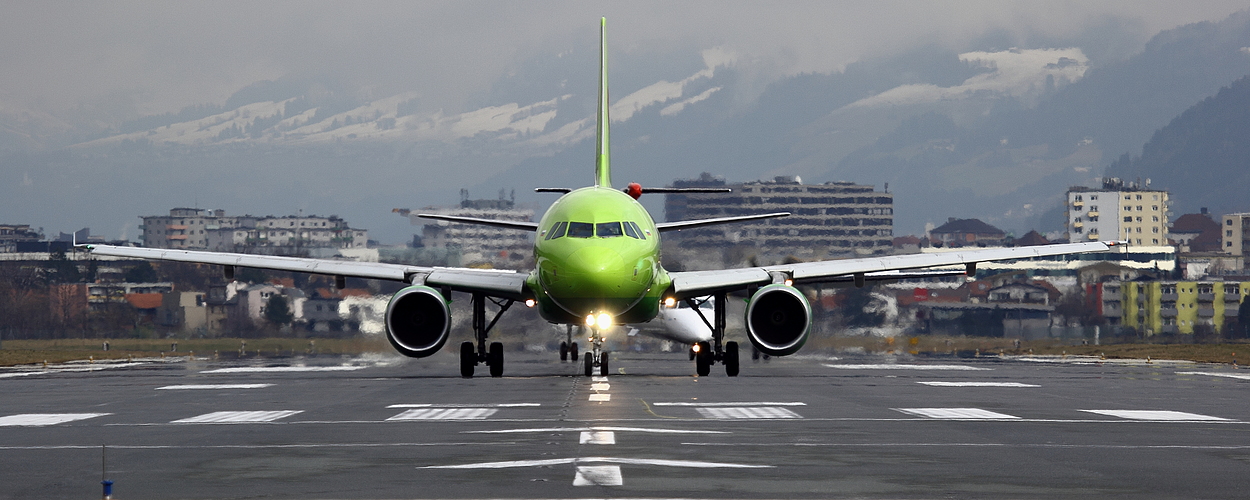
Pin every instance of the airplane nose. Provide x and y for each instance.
(600, 268)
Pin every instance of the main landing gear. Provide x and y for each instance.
(471, 355)
(708, 353)
(568, 348)
(597, 357)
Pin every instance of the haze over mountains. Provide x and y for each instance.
(994, 132)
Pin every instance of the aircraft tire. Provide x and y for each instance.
(603, 364)
(703, 360)
(573, 352)
(496, 359)
(731, 359)
(468, 359)
(590, 366)
(564, 351)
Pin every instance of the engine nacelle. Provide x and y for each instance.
(778, 319)
(418, 321)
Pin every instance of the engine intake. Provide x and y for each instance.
(778, 320)
(418, 321)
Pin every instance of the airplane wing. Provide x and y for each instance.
(695, 283)
(687, 224)
(510, 224)
(498, 283)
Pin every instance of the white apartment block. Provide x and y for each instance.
(1118, 212)
(199, 229)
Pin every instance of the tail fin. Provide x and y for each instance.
(603, 175)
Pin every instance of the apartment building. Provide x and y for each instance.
(1118, 211)
(1156, 307)
(200, 229)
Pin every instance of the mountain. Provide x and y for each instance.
(1200, 157)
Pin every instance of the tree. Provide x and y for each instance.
(1243, 317)
(277, 311)
(250, 275)
(141, 273)
(60, 269)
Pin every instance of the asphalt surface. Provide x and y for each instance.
(859, 426)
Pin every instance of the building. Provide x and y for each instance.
(1172, 307)
(834, 219)
(968, 232)
(200, 229)
(1236, 234)
(478, 244)
(184, 310)
(1118, 211)
(13, 234)
(1196, 233)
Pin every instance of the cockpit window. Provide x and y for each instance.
(608, 229)
(557, 230)
(632, 230)
(581, 230)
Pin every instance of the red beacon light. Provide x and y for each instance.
(634, 190)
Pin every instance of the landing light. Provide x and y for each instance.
(789, 282)
(590, 320)
(670, 302)
(605, 321)
(696, 348)
(530, 302)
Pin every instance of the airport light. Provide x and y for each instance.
(605, 321)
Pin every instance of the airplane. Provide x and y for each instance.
(597, 264)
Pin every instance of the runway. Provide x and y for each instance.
(843, 426)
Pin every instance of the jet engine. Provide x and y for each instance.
(418, 321)
(778, 319)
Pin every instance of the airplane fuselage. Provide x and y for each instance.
(597, 251)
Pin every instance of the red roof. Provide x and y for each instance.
(1194, 223)
(144, 300)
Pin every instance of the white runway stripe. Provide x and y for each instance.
(1243, 376)
(603, 386)
(591, 460)
(283, 369)
(445, 414)
(598, 437)
(40, 419)
(957, 413)
(909, 367)
(730, 404)
(214, 386)
(600, 397)
(584, 429)
(1162, 415)
(598, 378)
(237, 417)
(757, 412)
(465, 405)
(598, 475)
(978, 384)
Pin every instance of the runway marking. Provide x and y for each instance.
(747, 412)
(1217, 374)
(284, 369)
(585, 429)
(957, 413)
(214, 386)
(600, 397)
(598, 475)
(21, 374)
(42, 419)
(597, 437)
(445, 414)
(598, 378)
(977, 384)
(730, 404)
(465, 405)
(591, 460)
(1162, 415)
(103, 365)
(600, 387)
(908, 367)
(237, 417)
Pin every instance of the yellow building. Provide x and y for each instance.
(1180, 306)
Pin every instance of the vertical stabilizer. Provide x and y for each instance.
(603, 176)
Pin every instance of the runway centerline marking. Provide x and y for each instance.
(759, 412)
(597, 437)
(42, 419)
(730, 404)
(465, 405)
(600, 397)
(1161, 415)
(597, 428)
(957, 413)
(907, 367)
(977, 384)
(238, 417)
(600, 386)
(591, 460)
(214, 386)
(445, 414)
(284, 369)
(598, 475)
(1217, 374)
(598, 378)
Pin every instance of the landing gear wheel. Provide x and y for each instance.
(495, 359)
(564, 351)
(590, 366)
(603, 364)
(573, 351)
(468, 359)
(731, 359)
(703, 360)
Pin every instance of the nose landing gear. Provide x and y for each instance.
(597, 357)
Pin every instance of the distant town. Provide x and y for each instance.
(1180, 277)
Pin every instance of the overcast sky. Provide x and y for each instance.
(152, 57)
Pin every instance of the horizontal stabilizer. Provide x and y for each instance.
(510, 224)
(552, 190)
(688, 224)
(685, 190)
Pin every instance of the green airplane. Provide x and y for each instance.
(597, 264)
